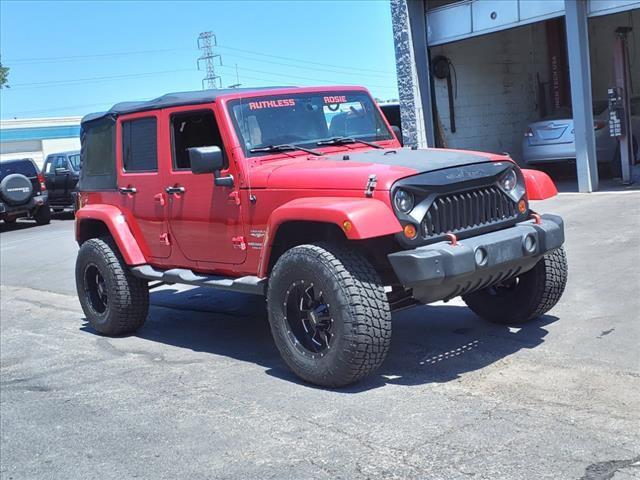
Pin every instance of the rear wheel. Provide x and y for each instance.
(525, 297)
(329, 314)
(113, 300)
(43, 215)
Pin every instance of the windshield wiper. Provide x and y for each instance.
(346, 140)
(284, 148)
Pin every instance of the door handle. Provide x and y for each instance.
(174, 190)
(127, 190)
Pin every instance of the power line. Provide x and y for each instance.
(25, 61)
(18, 61)
(78, 81)
(306, 67)
(285, 75)
(301, 61)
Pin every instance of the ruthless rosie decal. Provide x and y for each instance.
(286, 102)
(335, 99)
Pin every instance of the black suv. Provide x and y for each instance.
(23, 192)
(61, 173)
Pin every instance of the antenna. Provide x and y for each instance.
(237, 84)
(206, 42)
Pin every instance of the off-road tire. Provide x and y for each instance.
(42, 216)
(357, 303)
(128, 296)
(536, 292)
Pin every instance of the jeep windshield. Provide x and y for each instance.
(306, 120)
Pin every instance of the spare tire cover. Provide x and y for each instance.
(16, 189)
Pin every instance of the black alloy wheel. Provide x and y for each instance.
(308, 318)
(95, 289)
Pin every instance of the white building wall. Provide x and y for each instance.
(496, 88)
(59, 145)
(32, 141)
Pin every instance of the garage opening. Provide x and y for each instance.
(509, 91)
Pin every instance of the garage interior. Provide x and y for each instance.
(489, 80)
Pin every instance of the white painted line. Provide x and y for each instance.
(620, 192)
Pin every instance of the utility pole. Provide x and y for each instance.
(206, 42)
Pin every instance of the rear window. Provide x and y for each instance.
(97, 144)
(23, 167)
(139, 145)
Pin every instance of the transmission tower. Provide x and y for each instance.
(206, 42)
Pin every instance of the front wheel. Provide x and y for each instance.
(525, 297)
(329, 314)
(113, 300)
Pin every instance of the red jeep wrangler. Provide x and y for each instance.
(305, 195)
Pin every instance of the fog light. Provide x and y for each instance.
(410, 231)
(530, 243)
(481, 256)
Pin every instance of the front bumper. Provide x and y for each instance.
(442, 271)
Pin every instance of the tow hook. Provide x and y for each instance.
(453, 240)
(536, 218)
(371, 186)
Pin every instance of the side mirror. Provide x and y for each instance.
(398, 133)
(209, 160)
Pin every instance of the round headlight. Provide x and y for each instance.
(509, 180)
(403, 201)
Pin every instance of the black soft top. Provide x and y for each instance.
(176, 99)
(98, 132)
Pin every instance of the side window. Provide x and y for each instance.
(193, 129)
(140, 145)
(48, 166)
(61, 162)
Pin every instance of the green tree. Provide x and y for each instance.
(4, 76)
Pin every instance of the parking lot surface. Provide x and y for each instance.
(201, 393)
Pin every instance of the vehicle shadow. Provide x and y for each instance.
(429, 344)
(19, 224)
(63, 215)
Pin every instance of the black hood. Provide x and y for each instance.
(422, 161)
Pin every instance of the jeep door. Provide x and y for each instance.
(204, 219)
(50, 176)
(140, 181)
(73, 177)
(62, 172)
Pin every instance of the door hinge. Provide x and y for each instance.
(164, 239)
(239, 243)
(235, 196)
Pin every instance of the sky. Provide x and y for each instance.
(72, 58)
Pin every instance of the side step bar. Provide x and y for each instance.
(248, 284)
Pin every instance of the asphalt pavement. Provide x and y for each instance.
(201, 393)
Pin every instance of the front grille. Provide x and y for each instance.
(466, 210)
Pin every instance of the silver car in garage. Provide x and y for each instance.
(553, 139)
